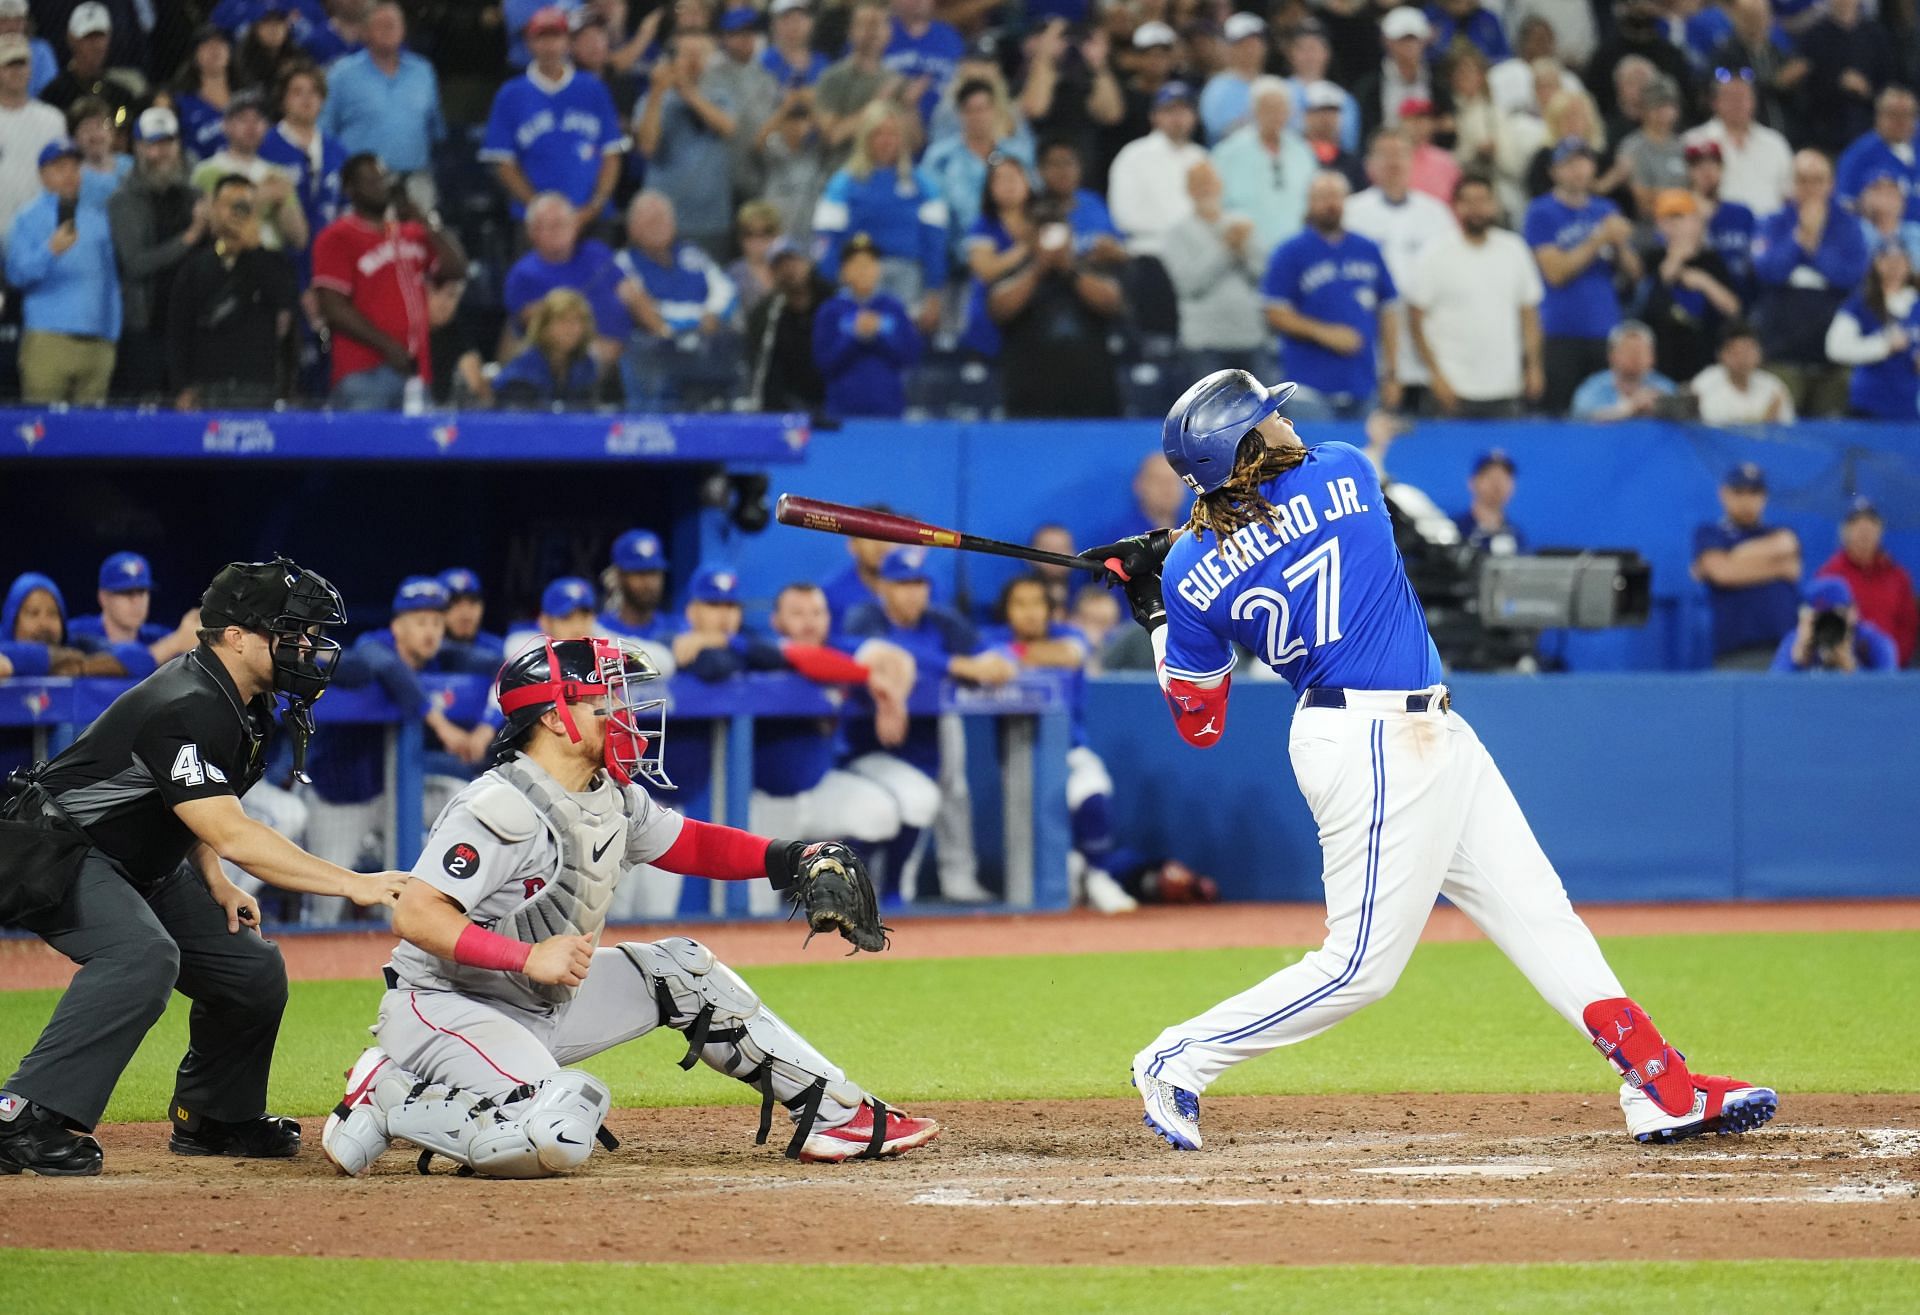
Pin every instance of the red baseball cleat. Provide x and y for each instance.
(854, 1139)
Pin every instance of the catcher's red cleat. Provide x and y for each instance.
(855, 1139)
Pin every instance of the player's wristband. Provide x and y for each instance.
(782, 856)
(480, 948)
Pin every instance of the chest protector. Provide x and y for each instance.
(590, 832)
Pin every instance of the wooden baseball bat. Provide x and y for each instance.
(864, 523)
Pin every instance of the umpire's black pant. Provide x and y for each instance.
(134, 950)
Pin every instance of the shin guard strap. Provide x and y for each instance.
(879, 1138)
(809, 1115)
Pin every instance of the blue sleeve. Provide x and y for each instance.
(1211, 115)
(831, 348)
(27, 657)
(329, 121)
(1590, 396)
(1538, 228)
(1283, 278)
(395, 678)
(1775, 252)
(613, 133)
(498, 144)
(1876, 648)
(518, 291)
(1842, 257)
(135, 658)
(28, 260)
(1387, 292)
(902, 337)
(1707, 538)
(866, 621)
(958, 635)
(1783, 657)
(933, 237)
(715, 664)
(1194, 651)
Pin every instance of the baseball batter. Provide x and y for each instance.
(1289, 552)
(497, 985)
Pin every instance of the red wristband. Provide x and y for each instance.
(480, 948)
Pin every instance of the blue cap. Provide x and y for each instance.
(1879, 173)
(714, 584)
(1746, 477)
(58, 149)
(124, 572)
(1570, 147)
(1171, 92)
(639, 550)
(739, 20)
(1495, 456)
(1861, 505)
(567, 595)
(420, 593)
(460, 583)
(905, 566)
(1825, 591)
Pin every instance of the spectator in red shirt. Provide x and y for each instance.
(1882, 589)
(370, 271)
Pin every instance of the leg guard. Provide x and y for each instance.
(728, 1027)
(550, 1134)
(1631, 1043)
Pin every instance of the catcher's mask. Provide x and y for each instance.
(294, 608)
(559, 673)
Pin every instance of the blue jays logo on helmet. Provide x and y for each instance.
(1202, 432)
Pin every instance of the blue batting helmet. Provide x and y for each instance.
(1203, 430)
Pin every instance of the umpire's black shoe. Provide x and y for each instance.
(36, 1141)
(268, 1137)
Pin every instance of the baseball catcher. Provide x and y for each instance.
(497, 987)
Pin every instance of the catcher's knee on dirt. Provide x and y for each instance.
(534, 1132)
(729, 1028)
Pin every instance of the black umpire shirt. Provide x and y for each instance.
(181, 734)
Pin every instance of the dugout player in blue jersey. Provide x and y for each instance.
(126, 601)
(639, 569)
(1289, 553)
(467, 647)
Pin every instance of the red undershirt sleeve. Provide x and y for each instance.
(719, 852)
(828, 666)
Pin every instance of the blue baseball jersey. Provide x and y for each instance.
(1342, 282)
(94, 629)
(792, 754)
(934, 55)
(1730, 233)
(786, 74)
(1318, 592)
(1073, 680)
(939, 635)
(558, 135)
(1745, 616)
(1583, 307)
(660, 630)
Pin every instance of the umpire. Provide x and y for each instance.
(111, 854)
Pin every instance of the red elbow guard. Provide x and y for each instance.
(1200, 715)
(828, 666)
(719, 852)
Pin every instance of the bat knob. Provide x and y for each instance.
(1120, 572)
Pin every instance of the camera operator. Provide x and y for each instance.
(1054, 313)
(1831, 635)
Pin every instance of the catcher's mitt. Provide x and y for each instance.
(831, 884)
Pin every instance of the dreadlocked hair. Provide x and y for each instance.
(1238, 503)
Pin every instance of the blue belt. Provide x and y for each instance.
(1332, 696)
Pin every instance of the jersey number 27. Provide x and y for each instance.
(1282, 645)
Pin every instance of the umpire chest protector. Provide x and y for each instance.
(589, 831)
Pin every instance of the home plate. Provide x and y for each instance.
(1502, 1169)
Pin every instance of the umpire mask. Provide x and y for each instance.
(294, 608)
(558, 673)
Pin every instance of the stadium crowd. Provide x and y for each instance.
(1654, 207)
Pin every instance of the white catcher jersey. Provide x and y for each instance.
(491, 851)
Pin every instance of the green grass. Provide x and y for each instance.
(54, 1283)
(1813, 1011)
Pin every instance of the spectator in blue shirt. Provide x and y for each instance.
(43, 67)
(958, 164)
(1877, 334)
(558, 257)
(60, 258)
(126, 601)
(1809, 257)
(554, 128)
(201, 92)
(790, 55)
(880, 193)
(34, 639)
(1485, 524)
(467, 646)
(864, 340)
(1751, 571)
(999, 241)
(1730, 225)
(1466, 21)
(684, 350)
(1580, 241)
(1629, 388)
(924, 51)
(1094, 232)
(557, 366)
(1889, 146)
(1883, 214)
(1327, 293)
(683, 128)
(711, 642)
(1226, 101)
(102, 167)
(386, 100)
(297, 142)
(1832, 635)
(639, 568)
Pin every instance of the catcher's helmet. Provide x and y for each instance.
(555, 674)
(1202, 432)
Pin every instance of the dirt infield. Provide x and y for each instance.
(1297, 1180)
(27, 962)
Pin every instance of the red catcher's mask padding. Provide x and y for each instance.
(1627, 1037)
(626, 752)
